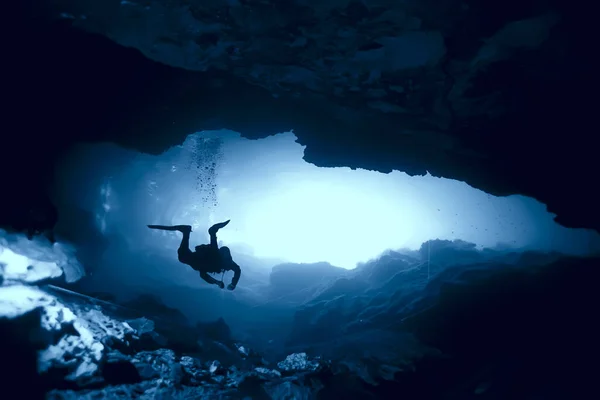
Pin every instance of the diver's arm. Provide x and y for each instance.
(237, 272)
(209, 278)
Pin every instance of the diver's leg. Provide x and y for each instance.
(185, 242)
(183, 252)
(213, 240)
(212, 231)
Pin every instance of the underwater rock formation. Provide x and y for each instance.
(458, 324)
(489, 323)
(22, 260)
(92, 355)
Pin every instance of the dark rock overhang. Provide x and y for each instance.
(496, 94)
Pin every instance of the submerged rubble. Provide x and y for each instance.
(88, 354)
(86, 350)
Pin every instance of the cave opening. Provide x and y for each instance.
(288, 210)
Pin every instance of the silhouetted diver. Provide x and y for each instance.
(208, 258)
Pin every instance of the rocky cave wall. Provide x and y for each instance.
(494, 94)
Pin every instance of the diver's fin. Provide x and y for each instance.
(179, 228)
(216, 227)
(222, 224)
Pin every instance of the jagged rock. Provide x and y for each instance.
(196, 372)
(17, 300)
(234, 377)
(242, 350)
(76, 352)
(75, 336)
(22, 338)
(159, 364)
(19, 268)
(82, 352)
(79, 354)
(25, 261)
(154, 364)
(141, 325)
(297, 362)
(190, 365)
(103, 326)
(268, 373)
(215, 367)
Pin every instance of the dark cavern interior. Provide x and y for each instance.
(400, 196)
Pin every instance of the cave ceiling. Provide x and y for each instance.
(494, 93)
